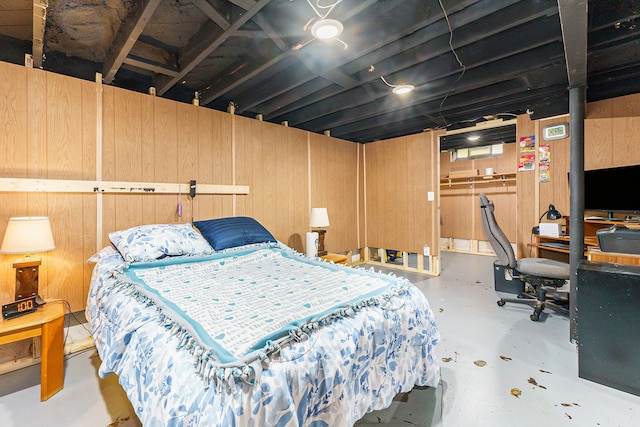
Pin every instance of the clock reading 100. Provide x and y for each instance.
(25, 305)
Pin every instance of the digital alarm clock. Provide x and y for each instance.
(19, 307)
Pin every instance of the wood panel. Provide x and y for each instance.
(528, 204)
(273, 161)
(555, 191)
(625, 124)
(334, 185)
(89, 205)
(598, 143)
(14, 161)
(214, 162)
(459, 205)
(399, 173)
(165, 153)
(63, 269)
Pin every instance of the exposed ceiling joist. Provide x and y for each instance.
(468, 59)
(39, 23)
(212, 13)
(146, 65)
(377, 54)
(192, 58)
(127, 37)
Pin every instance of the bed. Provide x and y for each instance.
(222, 325)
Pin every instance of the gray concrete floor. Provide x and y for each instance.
(486, 353)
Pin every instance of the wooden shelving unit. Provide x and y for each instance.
(471, 181)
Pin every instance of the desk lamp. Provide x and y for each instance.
(27, 235)
(319, 218)
(552, 214)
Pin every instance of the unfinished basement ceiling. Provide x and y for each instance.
(508, 56)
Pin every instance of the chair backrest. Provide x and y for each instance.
(496, 237)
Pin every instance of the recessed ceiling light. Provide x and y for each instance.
(473, 137)
(325, 29)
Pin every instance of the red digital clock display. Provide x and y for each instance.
(19, 307)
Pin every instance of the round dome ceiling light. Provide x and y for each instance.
(402, 89)
(325, 29)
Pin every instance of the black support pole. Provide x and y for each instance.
(577, 103)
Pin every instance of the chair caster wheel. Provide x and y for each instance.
(535, 316)
(501, 302)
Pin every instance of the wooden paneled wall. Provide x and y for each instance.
(47, 131)
(610, 129)
(459, 205)
(57, 127)
(611, 132)
(273, 161)
(336, 176)
(399, 174)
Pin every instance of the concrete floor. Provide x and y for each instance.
(487, 352)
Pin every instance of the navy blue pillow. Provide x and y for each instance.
(223, 233)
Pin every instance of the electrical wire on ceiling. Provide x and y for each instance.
(320, 6)
(464, 68)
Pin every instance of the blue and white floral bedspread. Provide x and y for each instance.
(348, 366)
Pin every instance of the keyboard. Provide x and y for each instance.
(555, 245)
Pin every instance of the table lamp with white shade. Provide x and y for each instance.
(319, 219)
(27, 235)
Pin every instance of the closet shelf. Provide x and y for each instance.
(501, 178)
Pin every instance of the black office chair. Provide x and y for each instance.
(542, 277)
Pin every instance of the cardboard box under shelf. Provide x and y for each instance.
(504, 282)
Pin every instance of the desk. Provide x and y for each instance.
(598, 256)
(557, 247)
(46, 322)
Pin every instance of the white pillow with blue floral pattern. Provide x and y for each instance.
(151, 242)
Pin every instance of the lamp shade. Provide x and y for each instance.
(25, 235)
(319, 217)
(552, 214)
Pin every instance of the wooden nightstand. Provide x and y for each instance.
(46, 322)
(336, 258)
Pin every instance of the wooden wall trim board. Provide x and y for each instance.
(127, 187)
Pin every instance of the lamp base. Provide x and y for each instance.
(26, 278)
(321, 250)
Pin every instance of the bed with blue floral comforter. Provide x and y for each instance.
(258, 336)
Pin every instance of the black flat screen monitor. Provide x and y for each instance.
(612, 190)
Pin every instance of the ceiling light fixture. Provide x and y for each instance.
(326, 29)
(323, 28)
(400, 89)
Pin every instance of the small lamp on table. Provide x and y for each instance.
(319, 219)
(27, 235)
